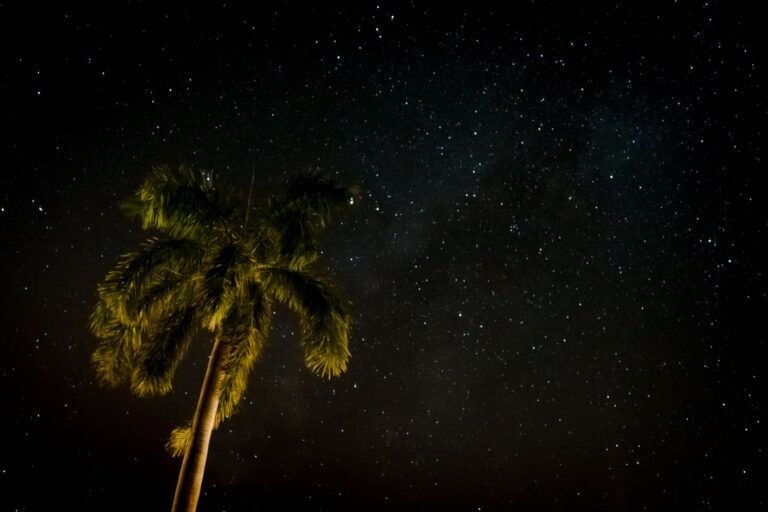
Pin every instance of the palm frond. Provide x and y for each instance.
(320, 194)
(261, 244)
(159, 301)
(160, 353)
(136, 301)
(218, 286)
(118, 344)
(323, 317)
(179, 440)
(158, 262)
(228, 272)
(183, 202)
(298, 216)
(244, 333)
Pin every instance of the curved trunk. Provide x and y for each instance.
(193, 465)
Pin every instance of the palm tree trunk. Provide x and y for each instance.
(193, 465)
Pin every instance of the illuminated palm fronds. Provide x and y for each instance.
(179, 440)
(323, 318)
(245, 334)
(118, 345)
(182, 202)
(205, 270)
(156, 360)
(298, 216)
(158, 264)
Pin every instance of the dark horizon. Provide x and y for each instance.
(554, 262)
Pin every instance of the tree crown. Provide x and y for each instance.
(204, 269)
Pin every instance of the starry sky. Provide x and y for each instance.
(554, 262)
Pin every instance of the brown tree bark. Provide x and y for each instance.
(193, 466)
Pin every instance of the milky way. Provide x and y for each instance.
(554, 262)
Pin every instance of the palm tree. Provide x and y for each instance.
(206, 269)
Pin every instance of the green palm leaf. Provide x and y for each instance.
(160, 352)
(113, 358)
(158, 262)
(182, 202)
(227, 274)
(299, 215)
(323, 317)
(245, 334)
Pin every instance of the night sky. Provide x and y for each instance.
(558, 292)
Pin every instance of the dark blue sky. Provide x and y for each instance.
(554, 262)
